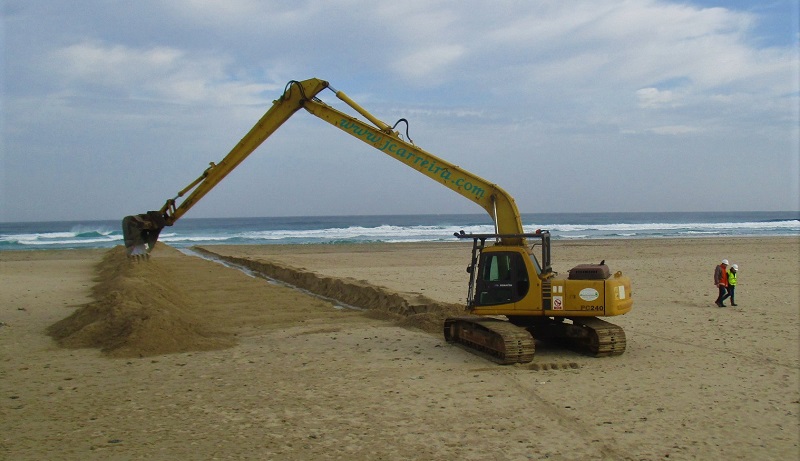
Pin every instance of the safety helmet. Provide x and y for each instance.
(725, 261)
(735, 267)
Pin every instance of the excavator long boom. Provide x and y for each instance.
(490, 197)
(141, 231)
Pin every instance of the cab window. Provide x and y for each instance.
(502, 279)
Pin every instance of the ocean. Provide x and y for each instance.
(400, 228)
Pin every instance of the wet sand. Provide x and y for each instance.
(181, 357)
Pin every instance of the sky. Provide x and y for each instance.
(109, 108)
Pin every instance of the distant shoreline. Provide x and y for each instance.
(555, 243)
(402, 228)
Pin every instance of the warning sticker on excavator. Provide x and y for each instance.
(558, 303)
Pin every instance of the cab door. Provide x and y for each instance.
(502, 279)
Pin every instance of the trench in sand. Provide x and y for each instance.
(211, 256)
(350, 293)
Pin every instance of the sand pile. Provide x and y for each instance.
(136, 312)
(142, 309)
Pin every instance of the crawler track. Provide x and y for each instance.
(495, 339)
(505, 343)
(595, 337)
(587, 335)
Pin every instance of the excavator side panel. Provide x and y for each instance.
(584, 297)
(619, 299)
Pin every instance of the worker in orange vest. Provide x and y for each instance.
(721, 281)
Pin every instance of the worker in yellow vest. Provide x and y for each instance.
(732, 272)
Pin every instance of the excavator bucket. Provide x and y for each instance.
(140, 232)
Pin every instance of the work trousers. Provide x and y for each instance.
(723, 294)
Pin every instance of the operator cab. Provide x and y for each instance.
(502, 274)
(502, 278)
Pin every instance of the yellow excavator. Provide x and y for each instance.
(513, 296)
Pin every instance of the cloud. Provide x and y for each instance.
(429, 62)
(632, 43)
(114, 65)
(535, 86)
(157, 73)
(651, 98)
(675, 130)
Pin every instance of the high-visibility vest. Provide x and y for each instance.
(731, 278)
(721, 275)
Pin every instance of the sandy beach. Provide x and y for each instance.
(181, 357)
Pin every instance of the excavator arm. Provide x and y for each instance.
(141, 231)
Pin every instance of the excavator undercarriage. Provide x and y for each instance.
(514, 341)
(495, 339)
